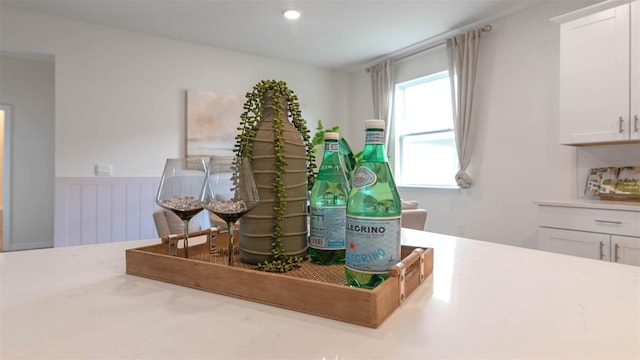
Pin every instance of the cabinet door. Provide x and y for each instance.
(634, 124)
(577, 243)
(625, 249)
(594, 77)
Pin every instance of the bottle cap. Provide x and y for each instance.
(331, 136)
(375, 124)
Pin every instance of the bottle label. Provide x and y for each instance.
(328, 227)
(364, 177)
(374, 137)
(331, 146)
(373, 244)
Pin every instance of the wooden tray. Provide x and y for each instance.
(620, 197)
(313, 289)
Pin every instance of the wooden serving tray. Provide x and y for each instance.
(620, 197)
(313, 289)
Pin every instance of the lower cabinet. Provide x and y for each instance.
(588, 230)
(615, 248)
(625, 249)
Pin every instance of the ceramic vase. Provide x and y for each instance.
(256, 228)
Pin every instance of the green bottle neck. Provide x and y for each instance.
(331, 153)
(374, 149)
(331, 169)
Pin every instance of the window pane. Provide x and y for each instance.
(427, 105)
(426, 148)
(428, 160)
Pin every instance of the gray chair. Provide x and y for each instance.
(412, 216)
(168, 223)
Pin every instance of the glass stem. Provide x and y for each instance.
(185, 226)
(230, 226)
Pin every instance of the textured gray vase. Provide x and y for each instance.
(256, 227)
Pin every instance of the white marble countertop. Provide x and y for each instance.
(593, 204)
(483, 300)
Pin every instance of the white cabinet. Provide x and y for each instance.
(625, 249)
(616, 248)
(599, 81)
(605, 234)
(577, 243)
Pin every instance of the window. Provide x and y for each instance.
(425, 142)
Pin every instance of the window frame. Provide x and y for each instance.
(399, 90)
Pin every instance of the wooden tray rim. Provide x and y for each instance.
(376, 299)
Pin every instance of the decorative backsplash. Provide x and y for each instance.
(608, 171)
(613, 181)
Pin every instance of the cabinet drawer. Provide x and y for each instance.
(593, 220)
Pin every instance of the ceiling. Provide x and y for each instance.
(331, 34)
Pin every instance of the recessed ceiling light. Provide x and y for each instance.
(292, 14)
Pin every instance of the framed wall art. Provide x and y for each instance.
(212, 122)
(614, 183)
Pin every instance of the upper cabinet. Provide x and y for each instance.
(599, 75)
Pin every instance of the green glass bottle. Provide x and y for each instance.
(373, 215)
(328, 206)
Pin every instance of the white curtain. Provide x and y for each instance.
(462, 53)
(382, 85)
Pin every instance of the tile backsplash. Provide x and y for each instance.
(589, 157)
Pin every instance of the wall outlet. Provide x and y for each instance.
(460, 229)
(104, 170)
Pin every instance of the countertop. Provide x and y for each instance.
(593, 204)
(484, 300)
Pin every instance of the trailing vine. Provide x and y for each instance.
(249, 121)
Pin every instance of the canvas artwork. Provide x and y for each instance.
(591, 189)
(212, 122)
(629, 180)
(601, 181)
(613, 182)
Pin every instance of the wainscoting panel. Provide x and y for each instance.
(95, 210)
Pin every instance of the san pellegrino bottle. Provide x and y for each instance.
(328, 206)
(373, 215)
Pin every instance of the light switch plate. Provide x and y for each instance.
(104, 170)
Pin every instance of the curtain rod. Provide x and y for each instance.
(486, 28)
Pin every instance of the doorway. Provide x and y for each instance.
(28, 86)
(5, 175)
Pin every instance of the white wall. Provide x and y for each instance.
(27, 85)
(517, 156)
(120, 100)
(120, 96)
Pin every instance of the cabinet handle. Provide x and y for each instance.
(635, 122)
(620, 124)
(615, 252)
(609, 222)
(601, 250)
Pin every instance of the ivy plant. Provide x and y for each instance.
(249, 121)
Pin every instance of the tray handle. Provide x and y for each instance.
(172, 239)
(410, 273)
